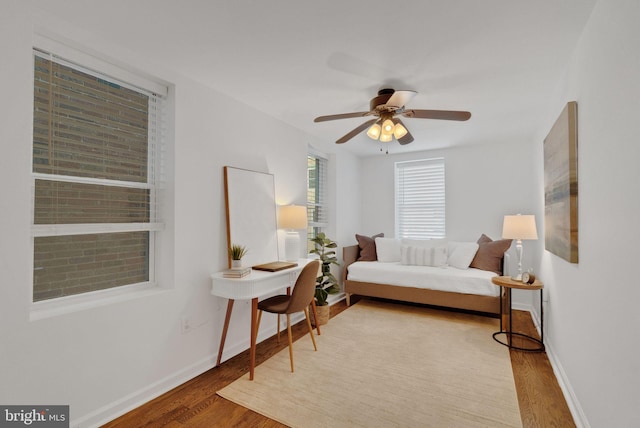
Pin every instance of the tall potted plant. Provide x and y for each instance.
(326, 283)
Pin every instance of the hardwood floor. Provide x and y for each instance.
(542, 403)
(195, 403)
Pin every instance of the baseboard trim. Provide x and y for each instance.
(118, 408)
(575, 408)
(579, 417)
(132, 401)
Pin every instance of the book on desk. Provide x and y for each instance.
(237, 272)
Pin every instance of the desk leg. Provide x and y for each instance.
(254, 333)
(224, 330)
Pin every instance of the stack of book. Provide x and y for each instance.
(237, 272)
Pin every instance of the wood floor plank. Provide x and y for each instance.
(195, 403)
(542, 403)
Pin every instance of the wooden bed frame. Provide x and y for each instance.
(471, 302)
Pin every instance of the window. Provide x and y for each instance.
(96, 173)
(317, 216)
(420, 199)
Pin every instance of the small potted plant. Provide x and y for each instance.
(236, 253)
(326, 283)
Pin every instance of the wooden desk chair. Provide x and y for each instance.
(299, 300)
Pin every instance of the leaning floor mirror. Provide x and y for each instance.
(251, 214)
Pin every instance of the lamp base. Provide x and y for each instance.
(518, 277)
(292, 246)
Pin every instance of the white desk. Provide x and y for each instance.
(253, 286)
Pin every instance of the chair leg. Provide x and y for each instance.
(348, 299)
(306, 314)
(290, 341)
(315, 315)
(278, 328)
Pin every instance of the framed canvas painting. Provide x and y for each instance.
(561, 185)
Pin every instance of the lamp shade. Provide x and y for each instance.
(386, 138)
(399, 131)
(374, 131)
(519, 227)
(292, 217)
(387, 127)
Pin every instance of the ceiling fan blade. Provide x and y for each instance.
(438, 114)
(356, 131)
(340, 116)
(407, 138)
(400, 98)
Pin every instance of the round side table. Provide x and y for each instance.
(506, 327)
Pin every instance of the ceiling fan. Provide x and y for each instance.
(385, 107)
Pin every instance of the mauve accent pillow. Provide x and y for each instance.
(368, 247)
(490, 253)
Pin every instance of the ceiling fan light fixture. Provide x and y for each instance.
(387, 127)
(374, 131)
(399, 131)
(384, 126)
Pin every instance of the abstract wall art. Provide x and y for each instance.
(561, 185)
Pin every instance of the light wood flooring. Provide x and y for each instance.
(195, 403)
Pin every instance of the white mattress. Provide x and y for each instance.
(467, 281)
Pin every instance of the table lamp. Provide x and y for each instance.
(519, 227)
(292, 217)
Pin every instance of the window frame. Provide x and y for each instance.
(431, 204)
(320, 203)
(86, 63)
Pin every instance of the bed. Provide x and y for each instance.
(391, 276)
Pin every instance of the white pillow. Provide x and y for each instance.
(423, 256)
(424, 243)
(388, 250)
(433, 258)
(461, 254)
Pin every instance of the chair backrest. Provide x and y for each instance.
(304, 289)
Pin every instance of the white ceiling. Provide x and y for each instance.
(297, 59)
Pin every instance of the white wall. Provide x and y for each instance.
(592, 316)
(123, 352)
(348, 209)
(104, 360)
(483, 183)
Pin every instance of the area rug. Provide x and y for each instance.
(382, 364)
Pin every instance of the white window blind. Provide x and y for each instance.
(420, 199)
(97, 167)
(317, 213)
